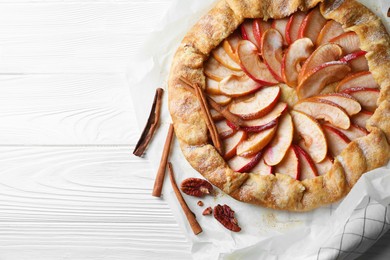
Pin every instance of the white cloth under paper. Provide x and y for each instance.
(343, 230)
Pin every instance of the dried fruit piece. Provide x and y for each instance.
(200, 203)
(196, 187)
(225, 215)
(207, 211)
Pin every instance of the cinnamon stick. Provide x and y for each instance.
(158, 183)
(221, 109)
(196, 228)
(151, 124)
(209, 121)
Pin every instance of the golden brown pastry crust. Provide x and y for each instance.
(279, 191)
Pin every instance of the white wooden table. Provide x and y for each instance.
(69, 185)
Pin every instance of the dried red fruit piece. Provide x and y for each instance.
(200, 203)
(225, 215)
(207, 211)
(196, 187)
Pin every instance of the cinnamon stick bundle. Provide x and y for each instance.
(151, 124)
(196, 228)
(158, 183)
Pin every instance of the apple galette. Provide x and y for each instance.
(298, 92)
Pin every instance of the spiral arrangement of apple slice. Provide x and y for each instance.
(262, 66)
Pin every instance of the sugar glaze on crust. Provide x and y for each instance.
(279, 191)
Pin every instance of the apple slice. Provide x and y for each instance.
(281, 141)
(257, 105)
(308, 169)
(324, 166)
(215, 115)
(354, 132)
(271, 44)
(221, 99)
(326, 110)
(311, 133)
(348, 41)
(255, 142)
(347, 102)
(367, 97)
(244, 164)
(237, 86)
(290, 164)
(295, 55)
(252, 65)
(269, 120)
(330, 30)
(325, 53)
(293, 25)
(357, 60)
(230, 144)
(222, 57)
(280, 25)
(224, 130)
(247, 32)
(362, 79)
(212, 87)
(230, 45)
(262, 168)
(316, 79)
(216, 71)
(312, 25)
(337, 141)
(259, 27)
(361, 118)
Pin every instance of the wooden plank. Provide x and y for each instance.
(66, 109)
(74, 37)
(82, 202)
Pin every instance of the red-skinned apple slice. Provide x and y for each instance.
(347, 102)
(238, 86)
(311, 132)
(221, 99)
(230, 144)
(257, 105)
(224, 131)
(316, 79)
(262, 168)
(337, 141)
(362, 79)
(367, 97)
(272, 43)
(212, 87)
(281, 142)
(324, 166)
(216, 71)
(308, 169)
(215, 115)
(348, 41)
(326, 110)
(244, 164)
(293, 25)
(290, 164)
(330, 30)
(269, 120)
(222, 57)
(247, 32)
(255, 142)
(259, 27)
(252, 65)
(353, 132)
(357, 60)
(361, 118)
(323, 54)
(281, 26)
(295, 55)
(312, 25)
(230, 45)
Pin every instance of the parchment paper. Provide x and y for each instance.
(345, 229)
